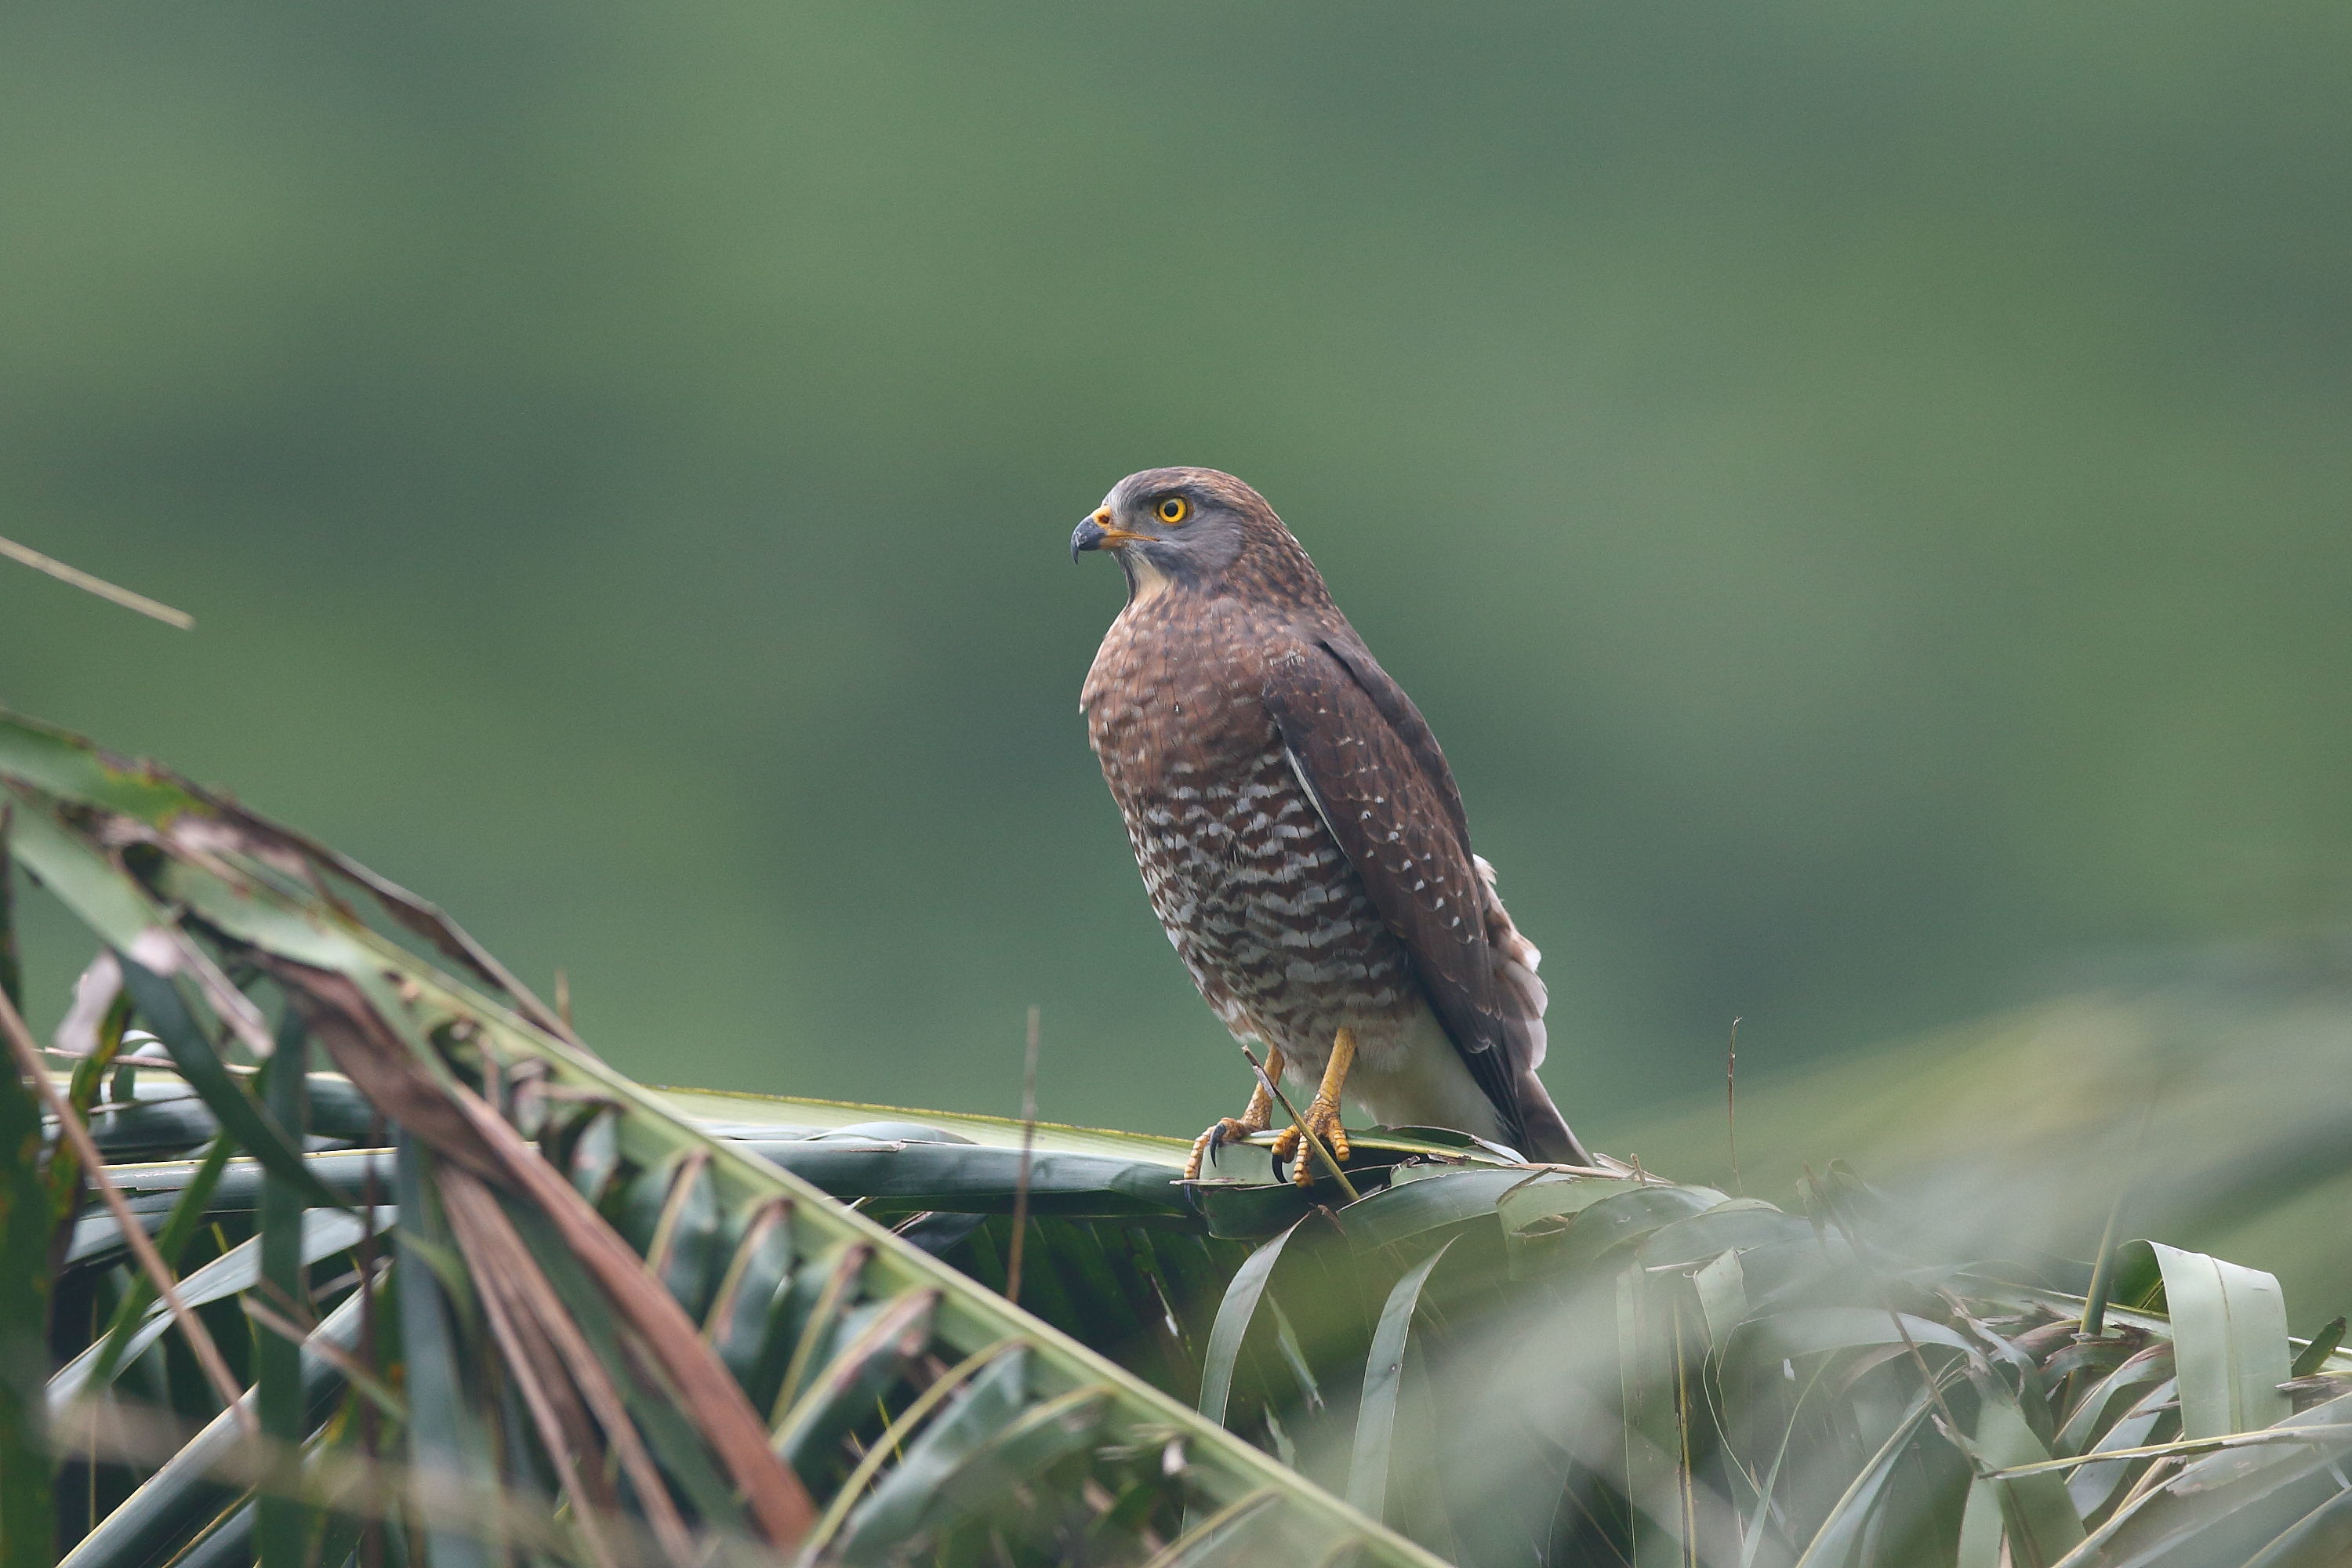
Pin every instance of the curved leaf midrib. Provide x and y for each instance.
(256, 910)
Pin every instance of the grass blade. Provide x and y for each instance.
(1368, 1467)
(70, 1130)
(2039, 1522)
(324, 1233)
(639, 1409)
(182, 1496)
(1234, 1313)
(2313, 1356)
(903, 1502)
(279, 1521)
(586, 1353)
(539, 1373)
(2320, 1539)
(894, 1438)
(860, 1372)
(1231, 1534)
(11, 971)
(1722, 1291)
(987, 1476)
(165, 1011)
(445, 1437)
(27, 1516)
(2230, 1343)
(188, 1211)
(1838, 1531)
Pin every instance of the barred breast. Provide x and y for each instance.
(1256, 897)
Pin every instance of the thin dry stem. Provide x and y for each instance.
(505, 1262)
(1028, 1148)
(134, 1234)
(1731, 1105)
(152, 608)
(1299, 1121)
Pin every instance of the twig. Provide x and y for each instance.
(97, 585)
(2318, 1432)
(1299, 1121)
(1731, 1105)
(354, 1371)
(516, 1288)
(1028, 1144)
(2103, 1268)
(134, 1234)
(564, 996)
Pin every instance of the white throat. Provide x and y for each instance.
(1145, 582)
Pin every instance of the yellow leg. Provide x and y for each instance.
(1256, 1118)
(1322, 1116)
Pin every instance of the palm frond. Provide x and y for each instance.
(582, 1269)
(481, 1299)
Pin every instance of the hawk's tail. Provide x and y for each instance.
(1545, 1132)
(1548, 1139)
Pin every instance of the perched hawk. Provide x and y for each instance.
(1299, 833)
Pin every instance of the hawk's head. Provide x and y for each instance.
(1181, 527)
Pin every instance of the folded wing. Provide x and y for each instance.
(1367, 759)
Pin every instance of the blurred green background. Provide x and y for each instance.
(1859, 490)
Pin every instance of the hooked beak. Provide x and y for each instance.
(1097, 532)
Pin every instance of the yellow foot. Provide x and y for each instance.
(1228, 1129)
(1322, 1116)
(1231, 1128)
(1323, 1120)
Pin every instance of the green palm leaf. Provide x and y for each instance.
(490, 1300)
(541, 1181)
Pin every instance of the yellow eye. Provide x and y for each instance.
(1174, 508)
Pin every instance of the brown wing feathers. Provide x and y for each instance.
(1381, 784)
